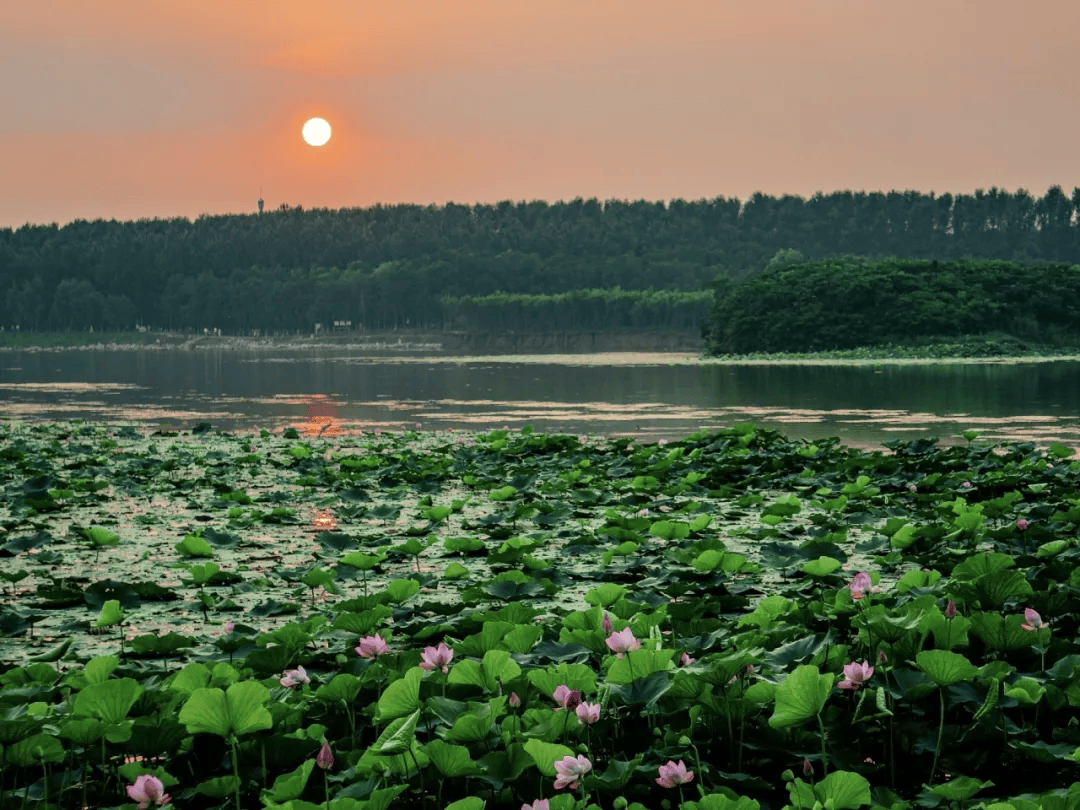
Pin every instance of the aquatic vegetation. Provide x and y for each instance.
(534, 621)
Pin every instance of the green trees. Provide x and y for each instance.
(391, 266)
(588, 310)
(848, 302)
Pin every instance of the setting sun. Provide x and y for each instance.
(316, 131)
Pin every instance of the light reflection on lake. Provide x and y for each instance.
(650, 396)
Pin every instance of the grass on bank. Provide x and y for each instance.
(966, 347)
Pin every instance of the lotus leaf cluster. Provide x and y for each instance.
(730, 621)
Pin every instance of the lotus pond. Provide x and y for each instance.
(730, 621)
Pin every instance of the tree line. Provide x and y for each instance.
(586, 310)
(848, 302)
(386, 267)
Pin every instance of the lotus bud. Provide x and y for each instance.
(807, 767)
(950, 610)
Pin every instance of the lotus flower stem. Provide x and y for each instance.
(940, 733)
(419, 773)
(236, 772)
(824, 756)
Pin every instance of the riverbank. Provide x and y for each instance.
(400, 341)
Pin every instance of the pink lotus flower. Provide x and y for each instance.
(539, 804)
(860, 585)
(662, 442)
(950, 610)
(606, 625)
(566, 697)
(1033, 621)
(570, 771)
(912, 488)
(622, 642)
(672, 775)
(855, 675)
(966, 485)
(685, 660)
(515, 701)
(229, 627)
(807, 767)
(147, 790)
(372, 647)
(295, 678)
(588, 713)
(325, 759)
(436, 657)
(1021, 524)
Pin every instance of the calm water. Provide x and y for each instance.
(646, 395)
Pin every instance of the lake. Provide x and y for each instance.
(649, 396)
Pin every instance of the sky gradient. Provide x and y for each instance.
(129, 109)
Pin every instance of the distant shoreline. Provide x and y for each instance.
(399, 342)
(451, 347)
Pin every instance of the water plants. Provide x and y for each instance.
(780, 610)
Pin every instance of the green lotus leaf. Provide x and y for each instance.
(606, 595)
(1026, 691)
(451, 760)
(236, 712)
(960, 789)
(495, 666)
(401, 589)
(398, 737)
(821, 567)
(342, 687)
(194, 546)
(363, 562)
(401, 697)
(800, 696)
(34, 750)
(99, 537)
(545, 755)
(109, 701)
(111, 614)
(575, 676)
(946, 668)
(843, 790)
(639, 664)
(290, 785)
(471, 803)
(201, 574)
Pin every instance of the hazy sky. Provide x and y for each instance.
(160, 108)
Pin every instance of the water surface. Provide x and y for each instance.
(650, 396)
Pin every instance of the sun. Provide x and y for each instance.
(316, 131)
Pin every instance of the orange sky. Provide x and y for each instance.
(130, 108)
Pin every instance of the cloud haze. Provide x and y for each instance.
(128, 109)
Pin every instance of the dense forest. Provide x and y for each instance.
(389, 267)
(848, 302)
(587, 310)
